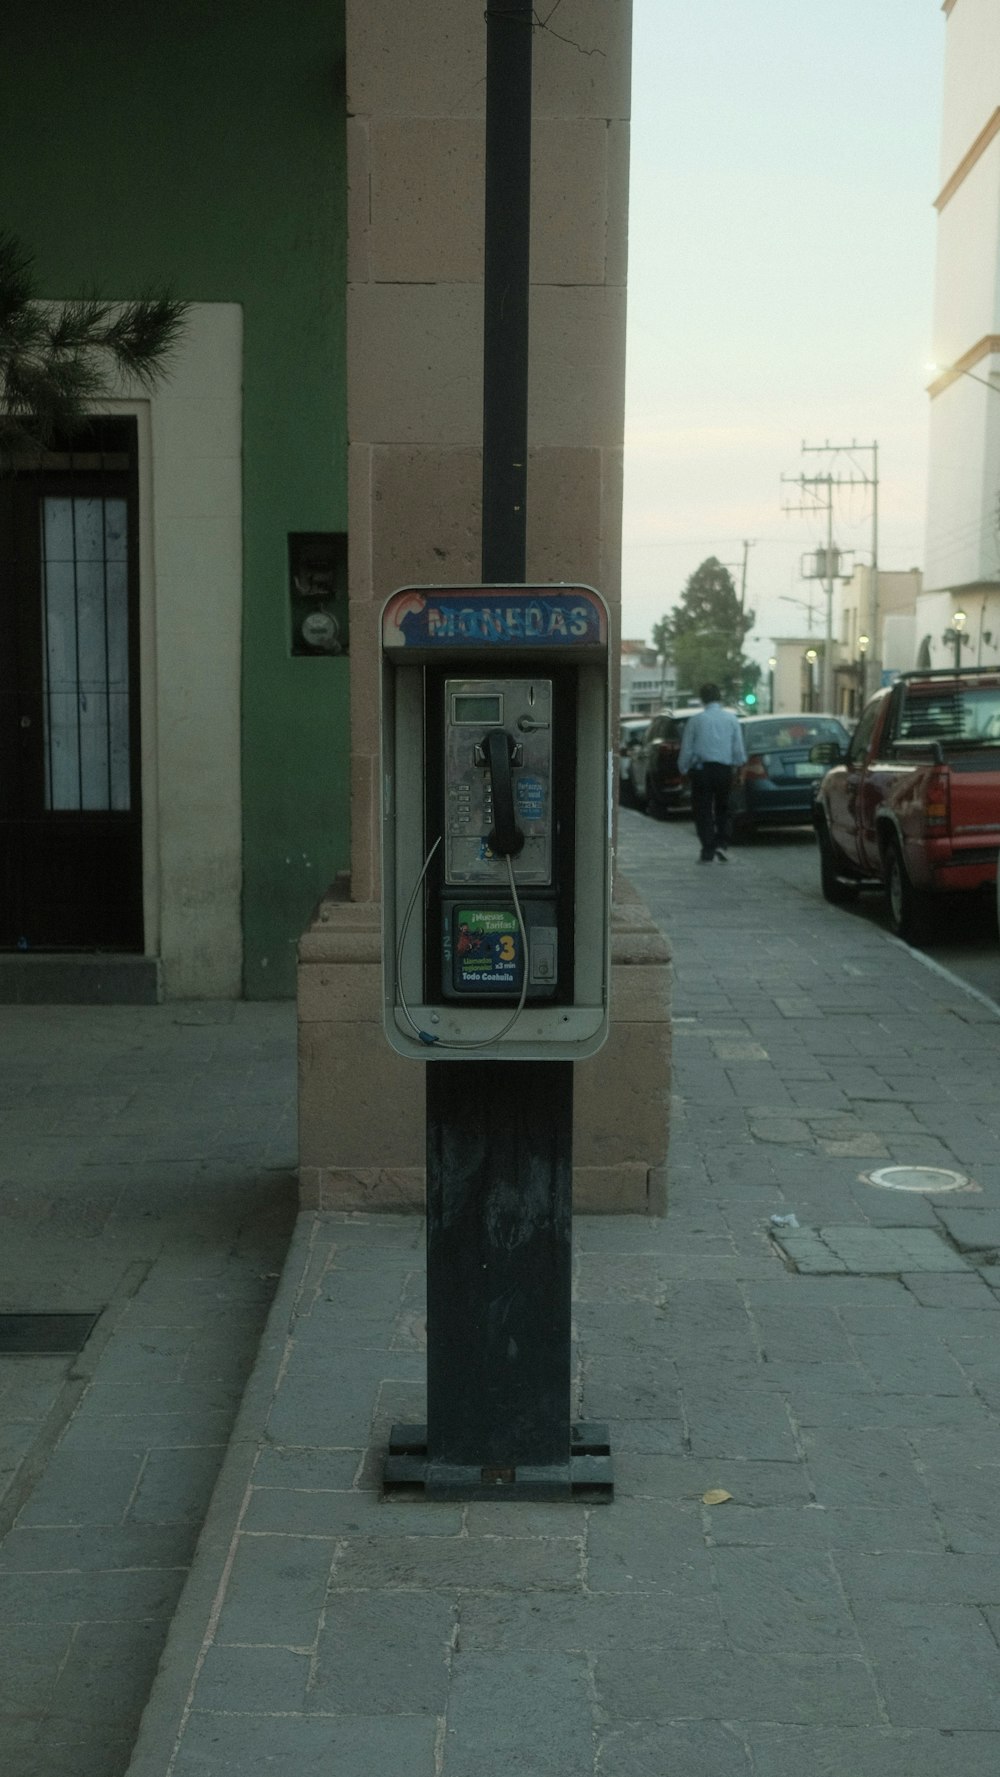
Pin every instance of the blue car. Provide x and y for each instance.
(775, 787)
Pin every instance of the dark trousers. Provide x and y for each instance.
(710, 787)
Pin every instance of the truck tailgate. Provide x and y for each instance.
(975, 799)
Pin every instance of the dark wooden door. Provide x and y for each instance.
(70, 815)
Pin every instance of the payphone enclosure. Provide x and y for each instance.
(496, 778)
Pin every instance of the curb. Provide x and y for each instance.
(166, 1709)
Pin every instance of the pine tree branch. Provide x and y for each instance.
(58, 361)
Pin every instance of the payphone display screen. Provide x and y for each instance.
(468, 707)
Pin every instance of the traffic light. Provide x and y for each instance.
(750, 699)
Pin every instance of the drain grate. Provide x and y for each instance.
(44, 1335)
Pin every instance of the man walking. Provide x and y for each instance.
(712, 746)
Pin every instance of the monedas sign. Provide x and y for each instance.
(484, 617)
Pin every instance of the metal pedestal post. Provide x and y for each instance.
(499, 1256)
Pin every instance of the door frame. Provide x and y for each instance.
(191, 655)
(79, 466)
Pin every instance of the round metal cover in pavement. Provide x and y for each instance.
(934, 1179)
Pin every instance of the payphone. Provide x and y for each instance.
(496, 821)
(496, 847)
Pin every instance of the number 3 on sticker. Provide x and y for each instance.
(505, 954)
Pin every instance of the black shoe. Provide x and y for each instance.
(706, 858)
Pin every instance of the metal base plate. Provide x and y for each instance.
(586, 1474)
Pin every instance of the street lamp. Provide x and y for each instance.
(812, 657)
(771, 664)
(954, 634)
(862, 669)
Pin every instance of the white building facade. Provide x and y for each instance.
(648, 681)
(962, 554)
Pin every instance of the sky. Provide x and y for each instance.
(785, 159)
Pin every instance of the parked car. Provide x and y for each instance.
(656, 782)
(777, 784)
(630, 731)
(914, 807)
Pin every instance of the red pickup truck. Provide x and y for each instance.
(915, 806)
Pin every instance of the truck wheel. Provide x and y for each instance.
(834, 888)
(910, 910)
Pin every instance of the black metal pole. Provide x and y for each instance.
(506, 276)
(500, 1133)
(499, 1254)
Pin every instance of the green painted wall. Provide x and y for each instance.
(203, 147)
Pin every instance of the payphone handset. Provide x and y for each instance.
(498, 781)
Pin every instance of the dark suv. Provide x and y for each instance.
(657, 785)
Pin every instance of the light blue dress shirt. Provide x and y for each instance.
(712, 737)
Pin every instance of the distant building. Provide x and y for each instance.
(892, 645)
(648, 682)
(798, 682)
(962, 566)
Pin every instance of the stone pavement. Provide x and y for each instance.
(838, 1613)
(146, 1174)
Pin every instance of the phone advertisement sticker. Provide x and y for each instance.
(487, 949)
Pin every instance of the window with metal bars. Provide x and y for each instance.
(85, 676)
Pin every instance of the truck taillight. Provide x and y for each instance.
(755, 766)
(936, 800)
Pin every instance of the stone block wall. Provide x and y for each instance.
(416, 98)
(361, 1106)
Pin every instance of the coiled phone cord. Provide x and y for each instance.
(427, 1037)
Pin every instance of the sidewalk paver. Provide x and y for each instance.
(837, 1609)
(800, 1571)
(126, 1191)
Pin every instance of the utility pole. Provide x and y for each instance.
(813, 504)
(748, 543)
(828, 645)
(806, 604)
(873, 664)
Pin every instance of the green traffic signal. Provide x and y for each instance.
(750, 698)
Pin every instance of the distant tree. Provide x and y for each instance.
(704, 633)
(58, 359)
